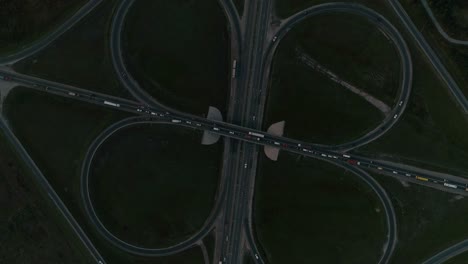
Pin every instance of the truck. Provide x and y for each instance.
(256, 134)
(111, 104)
(421, 178)
(234, 68)
(450, 185)
(346, 156)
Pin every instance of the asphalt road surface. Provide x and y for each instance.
(390, 31)
(42, 180)
(247, 130)
(448, 253)
(91, 213)
(431, 55)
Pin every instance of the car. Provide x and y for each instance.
(245, 165)
(256, 256)
(401, 102)
(139, 110)
(230, 132)
(395, 116)
(275, 38)
(198, 124)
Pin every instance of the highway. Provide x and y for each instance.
(49, 38)
(249, 87)
(45, 185)
(431, 55)
(456, 185)
(257, 15)
(224, 129)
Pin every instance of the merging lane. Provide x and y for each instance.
(389, 30)
(92, 215)
(45, 185)
(153, 111)
(431, 55)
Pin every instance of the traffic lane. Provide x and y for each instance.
(43, 182)
(45, 41)
(222, 128)
(92, 216)
(258, 137)
(448, 253)
(385, 26)
(67, 91)
(435, 61)
(255, 57)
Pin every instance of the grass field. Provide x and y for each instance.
(80, 57)
(286, 8)
(460, 259)
(307, 211)
(32, 231)
(240, 6)
(429, 220)
(56, 134)
(354, 49)
(452, 15)
(24, 21)
(209, 242)
(315, 108)
(154, 185)
(432, 131)
(190, 256)
(248, 259)
(179, 52)
(454, 57)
